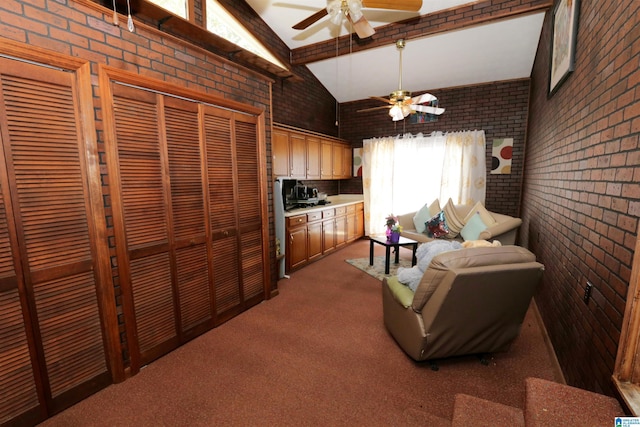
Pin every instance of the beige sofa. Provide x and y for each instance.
(469, 301)
(505, 228)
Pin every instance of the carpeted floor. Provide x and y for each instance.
(316, 355)
(377, 269)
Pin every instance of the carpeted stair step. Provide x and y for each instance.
(477, 412)
(552, 404)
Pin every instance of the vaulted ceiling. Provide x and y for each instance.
(449, 43)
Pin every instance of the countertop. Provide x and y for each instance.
(338, 200)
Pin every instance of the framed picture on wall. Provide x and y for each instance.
(564, 31)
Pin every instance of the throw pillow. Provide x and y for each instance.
(423, 215)
(486, 216)
(454, 223)
(473, 228)
(437, 226)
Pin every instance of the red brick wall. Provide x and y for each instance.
(301, 101)
(581, 197)
(500, 109)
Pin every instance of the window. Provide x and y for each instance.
(223, 24)
(395, 179)
(177, 7)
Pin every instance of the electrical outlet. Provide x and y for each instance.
(587, 292)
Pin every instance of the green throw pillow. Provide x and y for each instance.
(473, 228)
(423, 215)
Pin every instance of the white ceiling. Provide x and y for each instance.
(500, 50)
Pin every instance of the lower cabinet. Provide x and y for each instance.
(315, 234)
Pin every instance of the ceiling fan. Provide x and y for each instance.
(352, 10)
(401, 104)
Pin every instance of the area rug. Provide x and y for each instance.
(377, 269)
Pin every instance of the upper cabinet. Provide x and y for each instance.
(306, 155)
(280, 152)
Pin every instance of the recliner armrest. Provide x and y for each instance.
(401, 293)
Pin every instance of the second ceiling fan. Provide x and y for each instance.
(400, 102)
(352, 10)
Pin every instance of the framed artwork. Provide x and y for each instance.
(357, 162)
(563, 42)
(502, 154)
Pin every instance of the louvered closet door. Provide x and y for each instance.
(249, 208)
(49, 200)
(144, 226)
(17, 380)
(189, 221)
(218, 138)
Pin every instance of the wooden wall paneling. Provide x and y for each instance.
(44, 147)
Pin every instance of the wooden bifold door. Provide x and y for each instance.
(52, 350)
(188, 216)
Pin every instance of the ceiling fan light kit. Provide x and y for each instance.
(352, 10)
(401, 104)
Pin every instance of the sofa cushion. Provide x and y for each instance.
(473, 227)
(437, 226)
(424, 214)
(454, 222)
(485, 215)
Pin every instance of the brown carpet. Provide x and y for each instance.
(318, 354)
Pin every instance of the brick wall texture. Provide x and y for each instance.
(581, 196)
(500, 109)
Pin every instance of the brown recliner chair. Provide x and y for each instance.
(469, 301)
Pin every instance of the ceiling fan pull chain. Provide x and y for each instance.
(129, 18)
(115, 20)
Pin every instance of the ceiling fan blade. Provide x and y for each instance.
(388, 101)
(430, 110)
(311, 19)
(362, 27)
(409, 5)
(374, 108)
(421, 99)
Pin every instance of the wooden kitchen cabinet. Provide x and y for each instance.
(347, 161)
(296, 251)
(351, 223)
(280, 152)
(297, 155)
(359, 220)
(341, 226)
(315, 234)
(326, 159)
(306, 155)
(313, 157)
(337, 157)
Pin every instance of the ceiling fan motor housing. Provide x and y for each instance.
(399, 95)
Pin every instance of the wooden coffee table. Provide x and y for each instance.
(382, 240)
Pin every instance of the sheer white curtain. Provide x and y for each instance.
(464, 167)
(401, 174)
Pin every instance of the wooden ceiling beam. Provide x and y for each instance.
(469, 15)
